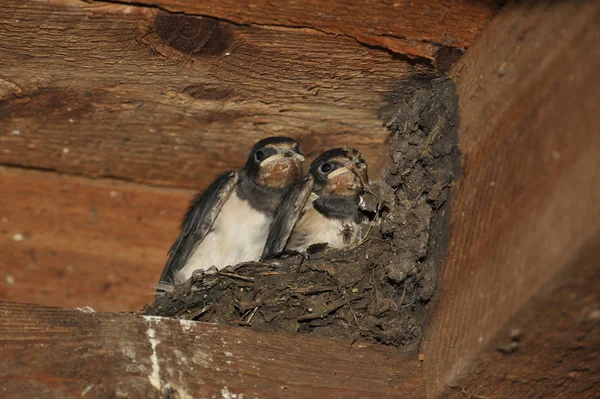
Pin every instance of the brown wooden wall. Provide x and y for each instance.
(517, 312)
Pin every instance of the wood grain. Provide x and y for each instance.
(109, 90)
(550, 347)
(73, 242)
(529, 197)
(57, 353)
(416, 29)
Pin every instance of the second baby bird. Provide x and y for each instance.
(323, 207)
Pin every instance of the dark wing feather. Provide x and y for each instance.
(197, 223)
(287, 215)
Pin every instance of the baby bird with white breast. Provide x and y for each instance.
(229, 222)
(324, 206)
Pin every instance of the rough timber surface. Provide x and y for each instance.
(72, 242)
(413, 28)
(112, 90)
(379, 290)
(551, 347)
(59, 353)
(529, 197)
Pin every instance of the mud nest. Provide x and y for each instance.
(380, 290)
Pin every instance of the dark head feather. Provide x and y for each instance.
(331, 160)
(264, 149)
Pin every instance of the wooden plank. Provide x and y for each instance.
(54, 353)
(109, 90)
(550, 347)
(417, 29)
(529, 196)
(73, 242)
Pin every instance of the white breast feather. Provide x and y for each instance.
(315, 228)
(238, 235)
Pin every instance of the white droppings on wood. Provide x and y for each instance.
(10, 280)
(183, 394)
(86, 390)
(225, 393)
(18, 237)
(154, 377)
(187, 325)
(86, 309)
(154, 318)
(228, 354)
(179, 357)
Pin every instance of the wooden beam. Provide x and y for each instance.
(406, 27)
(109, 90)
(48, 352)
(529, 197)
(550, 347)
(74, 242)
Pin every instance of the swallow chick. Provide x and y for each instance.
(324, 206)
(229, 222)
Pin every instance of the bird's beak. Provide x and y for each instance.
(359, 169)
(297, 158)
(339, 172)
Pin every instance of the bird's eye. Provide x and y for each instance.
(259, 155)
(326, 167)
